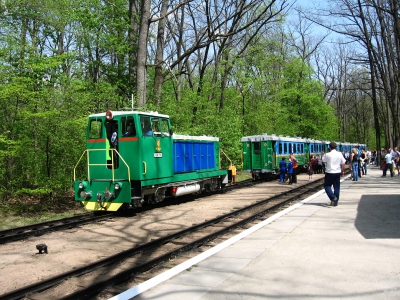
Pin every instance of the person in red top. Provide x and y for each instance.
(295, 167)
(310, 169)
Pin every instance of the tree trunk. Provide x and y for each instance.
(132, 38)
(373, 83)
(141, 75)
(159, 60)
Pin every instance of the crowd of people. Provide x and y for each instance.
(288, 170)
(332, 165)
(359, 160)
(390, 160)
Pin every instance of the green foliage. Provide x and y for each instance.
(62, 61)
(33, 192)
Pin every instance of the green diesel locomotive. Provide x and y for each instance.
(133, 157)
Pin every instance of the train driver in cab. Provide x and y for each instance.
(153, 130)
(149, 132)
(129, 131)
(146, 127)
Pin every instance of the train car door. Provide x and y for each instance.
(246, 147)
(256, 157)
(274, 162)
(307, 152)
(269, 155)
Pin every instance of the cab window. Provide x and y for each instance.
(128, 126)
(146, 126)
(155, 126)
(95, 129)
(164, 127)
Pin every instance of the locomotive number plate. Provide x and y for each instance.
(157, 154)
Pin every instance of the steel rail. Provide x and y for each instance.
(39, 229)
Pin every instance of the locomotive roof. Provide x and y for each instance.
(130, 112)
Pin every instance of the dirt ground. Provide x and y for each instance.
(21, 264)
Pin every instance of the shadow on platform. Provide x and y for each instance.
(378, 216)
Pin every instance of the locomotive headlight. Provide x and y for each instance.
(82, 185)
(85, 195)
(117, 186)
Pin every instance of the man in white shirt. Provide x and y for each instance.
(388, 161)
(334, 169)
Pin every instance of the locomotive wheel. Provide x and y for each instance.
(160, 195)
(150, 199)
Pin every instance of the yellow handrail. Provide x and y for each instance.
(226, 155)
(112, 163)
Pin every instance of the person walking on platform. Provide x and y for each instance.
(334, 169)
(364, 162)
(388, 163)
(354, 163)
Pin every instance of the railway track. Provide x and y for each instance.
(15, 234)
(39, 229)
(95, 278)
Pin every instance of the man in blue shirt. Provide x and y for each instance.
(290, 171)
(282, 168)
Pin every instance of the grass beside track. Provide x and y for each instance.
(9, 220)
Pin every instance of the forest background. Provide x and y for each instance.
(226, 68)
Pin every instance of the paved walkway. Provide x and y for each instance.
(310, 251)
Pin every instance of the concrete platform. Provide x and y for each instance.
(309, 251)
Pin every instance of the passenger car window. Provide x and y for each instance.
(257, 148)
